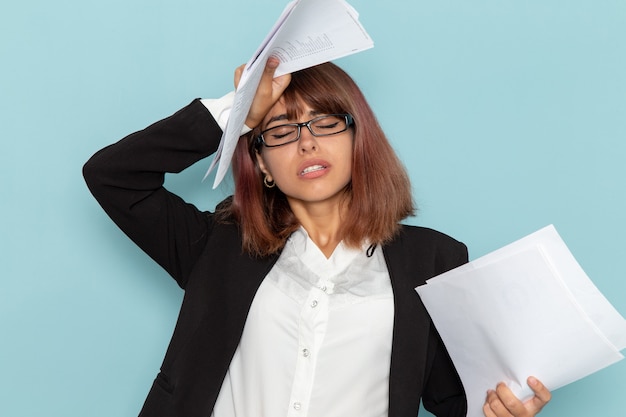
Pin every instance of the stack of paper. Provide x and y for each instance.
(526, 309)
(308, 33)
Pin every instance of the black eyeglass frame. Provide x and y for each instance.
(260, 140)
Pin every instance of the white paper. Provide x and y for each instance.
(525, 309)
(308, 33)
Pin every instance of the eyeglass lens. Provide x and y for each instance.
(320, 126)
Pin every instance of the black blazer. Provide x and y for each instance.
(205, 257)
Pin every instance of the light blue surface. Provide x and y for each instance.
(509, 115)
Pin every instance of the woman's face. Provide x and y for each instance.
(312, 169)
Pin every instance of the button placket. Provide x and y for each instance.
(326, 286)
(311, 331)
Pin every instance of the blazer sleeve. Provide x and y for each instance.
(443, 394)
(126, 179)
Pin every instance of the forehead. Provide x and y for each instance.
(283, 112)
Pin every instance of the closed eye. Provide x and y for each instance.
(327, 126)
(281, 135)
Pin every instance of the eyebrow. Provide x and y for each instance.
(284, 116)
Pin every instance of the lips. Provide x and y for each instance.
(313, 168)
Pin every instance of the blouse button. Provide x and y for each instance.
(297, 406)
(313, 303)
(305, 353)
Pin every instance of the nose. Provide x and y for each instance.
(307, 142)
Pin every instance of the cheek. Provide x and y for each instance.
(273, 163)
(348, 173)
(349, 158)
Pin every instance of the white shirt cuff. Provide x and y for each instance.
(220, 109)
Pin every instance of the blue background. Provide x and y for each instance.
(509, 115)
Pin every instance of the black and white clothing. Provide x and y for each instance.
(221, 282)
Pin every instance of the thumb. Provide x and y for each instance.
(268, 71)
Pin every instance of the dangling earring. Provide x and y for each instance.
(269, 183)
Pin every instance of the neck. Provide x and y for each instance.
(322, 221)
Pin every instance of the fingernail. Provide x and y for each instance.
(532, 381)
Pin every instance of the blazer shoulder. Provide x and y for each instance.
(420, 234)
(425, 246)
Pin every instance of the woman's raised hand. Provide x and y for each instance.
(267, 94)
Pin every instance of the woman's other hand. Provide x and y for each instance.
(267, 94)
(501, 402)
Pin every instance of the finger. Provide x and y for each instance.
(238, 72)
(268, 92)
(267, 77)
(496, 403)
(542, 394)
(487, 411)
(280, 84)
(275, 86)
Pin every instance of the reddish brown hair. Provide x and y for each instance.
(379, 195)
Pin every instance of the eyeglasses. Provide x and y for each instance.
(330, 124)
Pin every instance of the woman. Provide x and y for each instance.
(299, 290)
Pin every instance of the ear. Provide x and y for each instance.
(262, 166)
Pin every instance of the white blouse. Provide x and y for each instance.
(317, 340)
